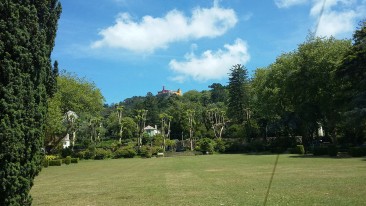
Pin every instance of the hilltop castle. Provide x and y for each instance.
(170, 92)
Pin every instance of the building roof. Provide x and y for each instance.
(149, 128)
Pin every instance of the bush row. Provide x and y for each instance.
(58, 162)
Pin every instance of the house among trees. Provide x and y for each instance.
(66, 141)
(170, 92)
(151, 131)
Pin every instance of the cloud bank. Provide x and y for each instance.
(338, 17)
(210, 64)
(153, 33)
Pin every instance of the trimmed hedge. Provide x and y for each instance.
(357, 151)
(74, 160)
(332, 150)
(55, 162)
(45, 162)
(320, 150)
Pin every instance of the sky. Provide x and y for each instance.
(132, 47)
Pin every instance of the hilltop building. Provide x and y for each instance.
(170, 92)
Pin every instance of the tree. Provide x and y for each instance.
(141, 120)
(165, 126)
(73, 94)
(217, 119)
(218, 93)
(190, 117)
(119, 113)
(27, 36)
(352, 74)
(238, 94)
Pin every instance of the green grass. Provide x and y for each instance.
(204, 180)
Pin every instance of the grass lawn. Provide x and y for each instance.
(204, 180)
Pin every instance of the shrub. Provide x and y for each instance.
(320, 150)
(156, 149)
(332, 150)
(81, 154)
(126, 152)
(50, 157)
(357, 151)
(220, 145)
(101, 154)
(74, 160)
(145, 151)
(45, 162)
(300, 149)
(206, 145)
(68, 160)
(66, 152)
(89, 153)
(55, 162)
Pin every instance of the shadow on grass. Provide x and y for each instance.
(339, 156)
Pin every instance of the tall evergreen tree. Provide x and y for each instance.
(27, 36)
(352, 73)
(238, 94)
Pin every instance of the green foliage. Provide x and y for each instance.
(68, 160)
(156, 149)
(220, 145)
(55, 162)
(332, 150)
(66, 152)
(89, 153)
(238, 102)
(300, 149)
(126, 152)
(45, 162)
(206, 145)
(320, 150)
(74, 160)
(27, 36)
(235, 131)
(101, 154)
(50, 157)
(357, 151)
(145, 151)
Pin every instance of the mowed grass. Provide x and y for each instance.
(204, 180)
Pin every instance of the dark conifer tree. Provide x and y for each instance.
(238, 93)
(27, 36)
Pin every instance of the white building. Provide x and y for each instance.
(151, 131)
(66, 141)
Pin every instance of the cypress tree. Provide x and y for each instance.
(27, 36)
(238, 93)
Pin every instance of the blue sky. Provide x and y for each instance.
(131, 47)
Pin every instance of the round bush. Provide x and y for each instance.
(68, 160)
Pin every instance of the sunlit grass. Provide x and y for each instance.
(204, 180)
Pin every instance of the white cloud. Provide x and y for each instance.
(211, 64)
(288, 3)
(337, 17)
(153, 33)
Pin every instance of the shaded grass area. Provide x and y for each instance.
(204, 180)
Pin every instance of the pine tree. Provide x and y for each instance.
(238, 94)
(27, 36)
